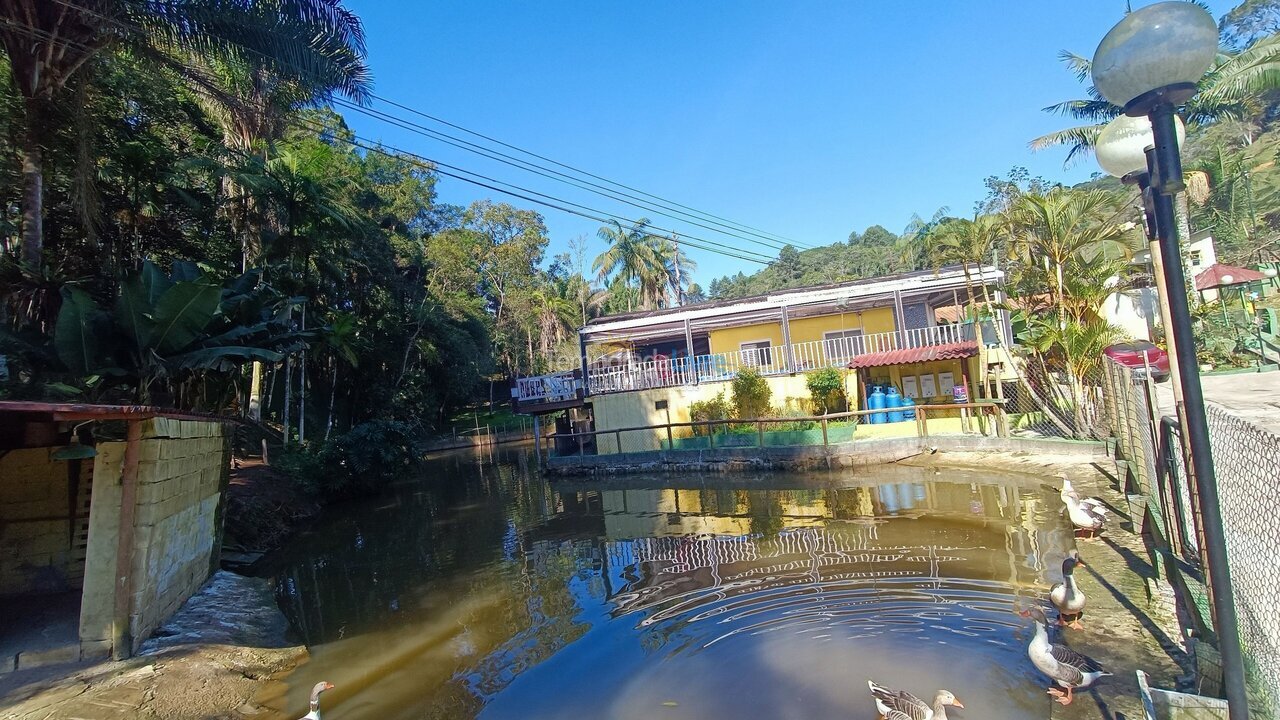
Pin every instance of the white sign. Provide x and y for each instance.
(910, 386)
(946, 381)
(928, 386)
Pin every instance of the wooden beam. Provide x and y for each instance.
(121, 635)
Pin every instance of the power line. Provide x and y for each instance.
(547, 173)
(434, 166)
(532, 195)
(746, 228)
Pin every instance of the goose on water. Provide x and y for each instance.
(1088, 514)
(315, 700)
(1066, 667)
(1066, 596)
(902, 705)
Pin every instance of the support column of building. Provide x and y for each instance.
(688, 343)
(899, 319)
(787, 356)
(586, 377)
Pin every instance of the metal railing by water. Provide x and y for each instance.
(985, 418)
(776, 360)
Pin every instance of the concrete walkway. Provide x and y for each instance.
(1253, 397)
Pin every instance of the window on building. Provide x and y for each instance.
(756, 353)
(842, 345)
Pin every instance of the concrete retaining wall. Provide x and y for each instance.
(850, 454)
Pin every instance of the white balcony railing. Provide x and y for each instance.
(797, 357)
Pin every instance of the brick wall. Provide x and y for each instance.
(42, 528)
(182, 474)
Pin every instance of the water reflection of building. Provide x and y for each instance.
(663, 545)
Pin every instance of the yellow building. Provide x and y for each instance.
(648, 367)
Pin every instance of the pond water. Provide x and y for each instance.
(481, 590)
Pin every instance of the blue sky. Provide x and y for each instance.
(805, 119)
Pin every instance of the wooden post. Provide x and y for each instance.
(824, 432)
(537, 440)
(121, 633)
(711, 435)
(759, 434)
(670, 443)
(924, 421)
(688, 343)
(787, 357)
(617, 438)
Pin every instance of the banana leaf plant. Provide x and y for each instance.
(178, 338)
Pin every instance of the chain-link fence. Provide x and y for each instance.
(1150, 451)
(1041, 401)
(1246, 460)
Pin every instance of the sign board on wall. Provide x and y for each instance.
(928, 386)
(911, 386)
(946, 381)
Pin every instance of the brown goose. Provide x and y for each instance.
(1066, 667)
(315, 700)
(903, 705)
(1066, 596)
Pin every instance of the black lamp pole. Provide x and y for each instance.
(1164, 165)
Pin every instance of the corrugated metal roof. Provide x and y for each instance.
(950, 351)
(1219, 275)
(86, 411)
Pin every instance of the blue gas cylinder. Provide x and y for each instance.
(908, 408)
(876, 402)
(893, 402)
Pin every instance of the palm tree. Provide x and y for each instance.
(630, 258)
(677, 268)
(1054, 228)
(555, 315)
(1228, 91)
(966, 243)
(317, 43)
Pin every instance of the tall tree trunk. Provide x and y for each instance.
(288, 395)
(33, 185)
(333, 393)
(302, 386)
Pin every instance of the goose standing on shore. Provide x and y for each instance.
(315, 700)
(1066, 667)
(1066, 596)
(902, 705)
(1088, 514)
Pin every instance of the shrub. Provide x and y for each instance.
(361, 462)
(717, 408)
(826, 389)
(751, 395)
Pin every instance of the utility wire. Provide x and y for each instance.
(762, 233)
(746, 228)
(530, 195)
(434, 166)
(551, 174)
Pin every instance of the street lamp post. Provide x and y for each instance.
(1148, 64)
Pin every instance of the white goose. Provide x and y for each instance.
(1066, 667)
(1066, 595)
(902, 705)
(1087, 514)
(315, 700)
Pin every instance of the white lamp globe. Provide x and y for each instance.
(1122, 144)
(1168, 44)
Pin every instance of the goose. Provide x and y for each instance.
(315, 700)
(1066, 596)
(1066, 667)
(903, 705)
(1088, 514)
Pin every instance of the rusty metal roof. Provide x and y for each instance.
(85, 411)
(1218, 275)
(950, 351)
